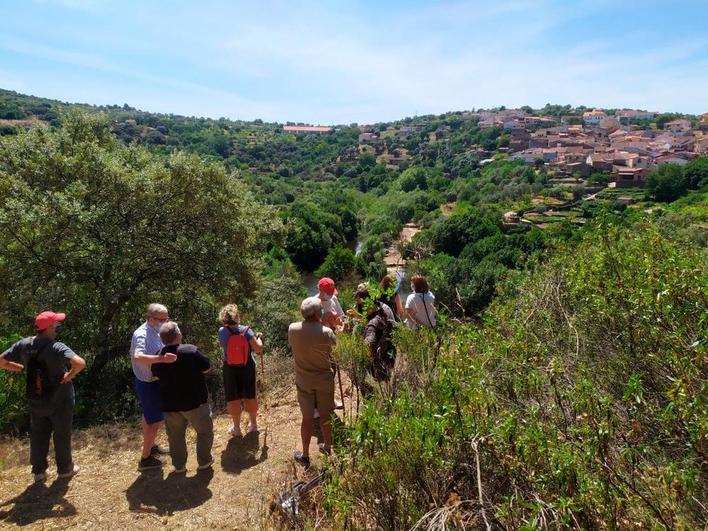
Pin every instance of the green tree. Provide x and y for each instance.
(98, 229)
(696, 173)
(667, 183)
(339, 264)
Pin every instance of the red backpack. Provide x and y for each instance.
(238, 349)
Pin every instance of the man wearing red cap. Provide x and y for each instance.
(50, 392)
(332, 313)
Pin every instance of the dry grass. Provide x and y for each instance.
(109, 493)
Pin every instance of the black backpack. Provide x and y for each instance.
(383, 352)
(41, 387)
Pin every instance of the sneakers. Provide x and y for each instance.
(338, 404)
(303, 460)
(75, 470)
(206, 465)
(40, 478)
(159, 450)
(235, 431)
(150, 463)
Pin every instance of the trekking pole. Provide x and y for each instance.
(265, 402)
(341, 391)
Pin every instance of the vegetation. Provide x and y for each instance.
(565, 385)
(580, 402)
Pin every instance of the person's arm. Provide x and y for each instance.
(256, 343)
(10, 365)
(399, 305)
(203, 362)
(142, 358)
(9, 360)
(77, 365)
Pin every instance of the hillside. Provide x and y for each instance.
(564, 385)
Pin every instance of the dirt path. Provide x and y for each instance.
(109, 493)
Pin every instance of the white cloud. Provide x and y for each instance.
(317, 63)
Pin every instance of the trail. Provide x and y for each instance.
(109, 492)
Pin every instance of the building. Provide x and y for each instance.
(594, 117)
(307, 129)
(678, 126)
(627, 116)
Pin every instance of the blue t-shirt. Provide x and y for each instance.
(224, 335)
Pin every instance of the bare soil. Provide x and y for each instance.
(109, 492)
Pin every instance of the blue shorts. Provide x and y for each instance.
(149, 397)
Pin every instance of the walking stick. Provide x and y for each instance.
(341, 390)
(265, 404)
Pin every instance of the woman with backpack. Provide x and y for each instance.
(238, 341)
(420, 305)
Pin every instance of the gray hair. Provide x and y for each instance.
(169, 332)
(310, 307)
(156, 308)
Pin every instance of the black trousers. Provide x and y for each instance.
(55, 422)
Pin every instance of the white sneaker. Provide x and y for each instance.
(234, 431)
(70, 474)
(40, 478)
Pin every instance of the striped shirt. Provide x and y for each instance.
(146, 340)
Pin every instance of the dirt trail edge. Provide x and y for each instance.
(109, 493)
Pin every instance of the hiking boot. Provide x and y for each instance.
(40, 477)
(150, 463)
(71, 473)
(303, 460)
(206, 465)
(159, 450)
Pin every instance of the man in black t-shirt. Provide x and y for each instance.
(184, 398)
(50, 393)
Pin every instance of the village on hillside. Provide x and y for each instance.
(623, 146)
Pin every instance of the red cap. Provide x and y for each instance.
(326, 285)
(46, 319)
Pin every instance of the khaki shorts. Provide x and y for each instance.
(318, 395)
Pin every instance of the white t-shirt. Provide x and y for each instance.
(418, 303)
(333, 306)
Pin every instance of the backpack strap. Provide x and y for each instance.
(430, 322)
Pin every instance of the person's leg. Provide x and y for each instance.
(62, 420)
(306, 399)
(149, 436)
(249, 393)
(201, 420)
(325, 399)
(40, 432)
(234, 409)
(176, 426)
(152, 419)
(252, 408)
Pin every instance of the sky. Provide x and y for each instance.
(341, 62)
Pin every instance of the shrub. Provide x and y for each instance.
(579, 402)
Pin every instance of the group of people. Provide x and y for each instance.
(170, 379)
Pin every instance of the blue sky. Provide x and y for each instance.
(367, 61)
